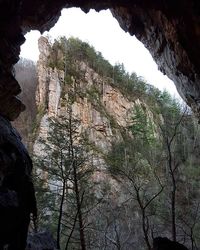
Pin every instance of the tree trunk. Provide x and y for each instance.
(78, 203)
(76, 187)
(173, 211)
(60, 215)
(173, 193)
(145, 230)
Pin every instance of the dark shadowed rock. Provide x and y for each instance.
(9, 214)
(8, 198)
(17, 199)
(41, 241)
(160, 243)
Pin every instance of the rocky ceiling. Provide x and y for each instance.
(170, 30)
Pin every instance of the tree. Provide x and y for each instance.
(172, 135)
(150, 164)
(178, 136)
(137, 160)
(138, 178)
(67, 171)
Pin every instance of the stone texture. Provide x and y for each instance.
(117, 105)
(41, 69)
(103, 111)
(171, 33)
(49, 80)
(11, 40)
(97, 107)
(15, 164)
(10, 136)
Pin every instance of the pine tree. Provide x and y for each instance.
(67, 170)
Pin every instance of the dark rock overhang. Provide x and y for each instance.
(170, 30)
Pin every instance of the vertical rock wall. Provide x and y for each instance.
(101, 109)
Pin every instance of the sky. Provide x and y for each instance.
(103, 32)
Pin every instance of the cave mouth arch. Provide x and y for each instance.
(102, 31)
(169, 30)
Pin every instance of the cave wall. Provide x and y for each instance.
(169, 29)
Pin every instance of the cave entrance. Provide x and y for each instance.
(116, 46)
(102, 31)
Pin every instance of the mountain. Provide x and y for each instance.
(142, 174)
(104, 111)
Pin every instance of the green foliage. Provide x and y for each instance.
(63, 178)
(142, 127)
(66, 53)
(128, 162)
(148, 159)
(35, 125)
(162, 136)
(93, 94)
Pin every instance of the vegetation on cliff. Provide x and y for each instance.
(147, 182)
(66, 53)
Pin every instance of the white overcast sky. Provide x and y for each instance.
(102, 31)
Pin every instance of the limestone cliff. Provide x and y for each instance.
(102, 109)
(106, 107)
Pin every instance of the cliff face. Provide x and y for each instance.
(49, 80)
(108, 114)
(103, 110)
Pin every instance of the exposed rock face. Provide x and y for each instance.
(49, 89)
(104, 113)
(11, 40)
(101, 109)
(167, 31)
(43, 75)
(15, 167)
(170, 30)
